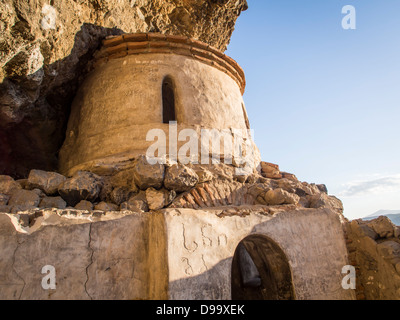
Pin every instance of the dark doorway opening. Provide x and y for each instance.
(261, 271)
(168, 100)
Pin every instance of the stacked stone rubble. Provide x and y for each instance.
(374, 251)
(148, 187)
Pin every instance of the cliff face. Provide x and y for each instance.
(45, 51)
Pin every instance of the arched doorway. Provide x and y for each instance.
(261, 271)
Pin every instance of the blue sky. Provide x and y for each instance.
(324, 102)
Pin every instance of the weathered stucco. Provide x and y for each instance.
(174, 253)
(202, 245)
(108, 259)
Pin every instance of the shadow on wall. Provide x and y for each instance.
(209, 285)
(34, 109)
(259, 270)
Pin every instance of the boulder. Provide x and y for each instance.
(336, 204)
(53, 202)
(322, 188)
(287, 185)
(397, 231)
(321, 200)
(279, 197)
(4, 199)
(158, 199)
(136, 203)
(82, 186)
(84, 205)
(48, 182)
(368, 232)
(204, 175)
(258, 189)
(106, 206)
(304, 202)
(383, 226)
(146, 175)
(270, 170)
(290, 176)
(39, 192)
(24, 198)
(303, 189)
(260, 200)
(121, 194)
(389, 250)
(23, 183)
(180, 178)
(8, 185)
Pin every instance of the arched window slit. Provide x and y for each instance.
(168, 100)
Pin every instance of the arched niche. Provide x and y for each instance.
(261, 271)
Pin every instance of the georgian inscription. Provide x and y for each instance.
(201, 237)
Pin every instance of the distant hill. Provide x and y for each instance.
(393, 215)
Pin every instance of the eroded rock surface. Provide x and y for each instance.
(374, 250)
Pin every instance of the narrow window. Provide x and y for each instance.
(168, 100)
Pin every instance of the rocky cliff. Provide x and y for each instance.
(47, 46)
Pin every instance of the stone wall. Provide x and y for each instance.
(94, 258)
(143, 186)
(201, 246)
(173, 253)
(374, 249)
(151, 231)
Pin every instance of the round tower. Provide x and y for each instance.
(143, 82)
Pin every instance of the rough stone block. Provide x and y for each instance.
(24, 198)
(158, 199)
(4, 199)
(84, 205)
(53, 202)
(82, 186)
(48, 182)
(148, 175)
(383, 226)
(136, 203)
(180, 178)
(105, 206)
(280, 196)
(8, 185)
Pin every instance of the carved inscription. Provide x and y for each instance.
(201, 238)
